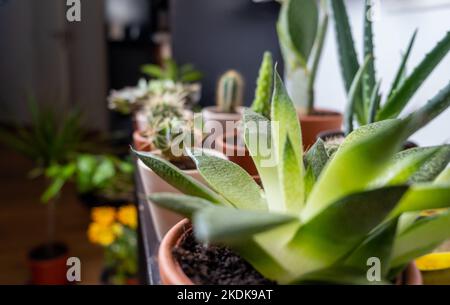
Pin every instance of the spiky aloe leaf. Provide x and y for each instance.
(220, 224)
(356, 164)
(433, 167)
(353, 97)
(421, 237)
(402, 68)
(374, 103)
(176, 178)
(316, 158)
(401, 97)
(378, 244)
(261, 103)
(221, 175)
(181, 204)
(369, 77)
(292, 182)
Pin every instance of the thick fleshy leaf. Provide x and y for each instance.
(176, 178)
(444, 177)
(263, 91)
(420, 238)
(258, 139)
(338, 275)
(401, 97)
(378, 244)
(433, 167)
(181, 204)
(292, 180)
(374, 103)
(423, 197)
(220, 224)
(369, 78)
(356, 164)
(316, 158)
(222, 176)
(343, 225)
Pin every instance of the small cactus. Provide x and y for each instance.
(230, 91)
(261, 103)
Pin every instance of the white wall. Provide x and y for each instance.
(397, 21)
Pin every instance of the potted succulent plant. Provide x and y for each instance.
(302, 28)
(53, 139)
(232, 143)
(366, 104)
(228, 109)
(318, 218)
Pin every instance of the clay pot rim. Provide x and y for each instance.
(327, 115)
(172, 273)
(214, 110)
(169, 268)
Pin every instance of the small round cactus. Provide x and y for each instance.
(230, 91)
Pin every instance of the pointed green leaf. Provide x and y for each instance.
(261, 103)
(316, 158)
(222, 175)
(220, 224)
(176, 178)
(338, 229)
(401, 97)
(421, 237)
(433, 167)
(374, 103)
(181, 204)
(291, 180)
(369, 77)
(356, 164)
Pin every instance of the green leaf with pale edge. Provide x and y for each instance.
(220, 224)
(443, 178)
(222, 175)
(316, 158)
(378, 244)
(369, 78)
(181, 204)
(408, 88)
(402, 67)
(356, 164)
(374, 103)
(176, 178)
(343, 225)
(423, 197)
(433, 167)
(338, 275)
(420, 238)
(292, 180)
(258, 139)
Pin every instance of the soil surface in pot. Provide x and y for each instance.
(48, 251)
(212, 265)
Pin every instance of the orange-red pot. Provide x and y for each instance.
(316, 123)
(48, 269)
(172, 274)
(140, 142)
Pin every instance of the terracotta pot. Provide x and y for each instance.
(211, 114)
(238, 154)
(164, 219)
(48, 264)
(172, 274)
(313, 124)
(140, 142)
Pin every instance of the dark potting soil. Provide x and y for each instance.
(213, 265)
(48, 251)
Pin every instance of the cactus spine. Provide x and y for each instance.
(230, 91)
(261, 103)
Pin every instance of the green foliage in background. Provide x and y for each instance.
(173, 72)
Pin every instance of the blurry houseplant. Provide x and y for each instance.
(302, 29)
(52, 139)
(366, 102)
(115, 230)
(319, 218)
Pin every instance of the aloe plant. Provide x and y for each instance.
(368, 104)
(230, 91)
(318, 217)
(301, 34)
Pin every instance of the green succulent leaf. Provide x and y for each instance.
(176, 178)
(338, 229)
(432, 167)
(181, 204)
(374, 103)
(443, 178)
(403, 94)
(316, 158)
(220, 224)
(420, 238)
(357, 163)
(292, 180)
(261, 103)
(221, 175)
(369, 77)
(338, 275)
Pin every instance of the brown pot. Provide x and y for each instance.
(211, 114)
(172, 274)
(226, 144)
(313, 124)
(140, 142)
(48, 264)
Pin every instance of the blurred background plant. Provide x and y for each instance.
(115, 230)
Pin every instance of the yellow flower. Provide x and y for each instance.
(434, 261)
(117, 229)
(127, 215)
(103, 215)
(101, 234)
